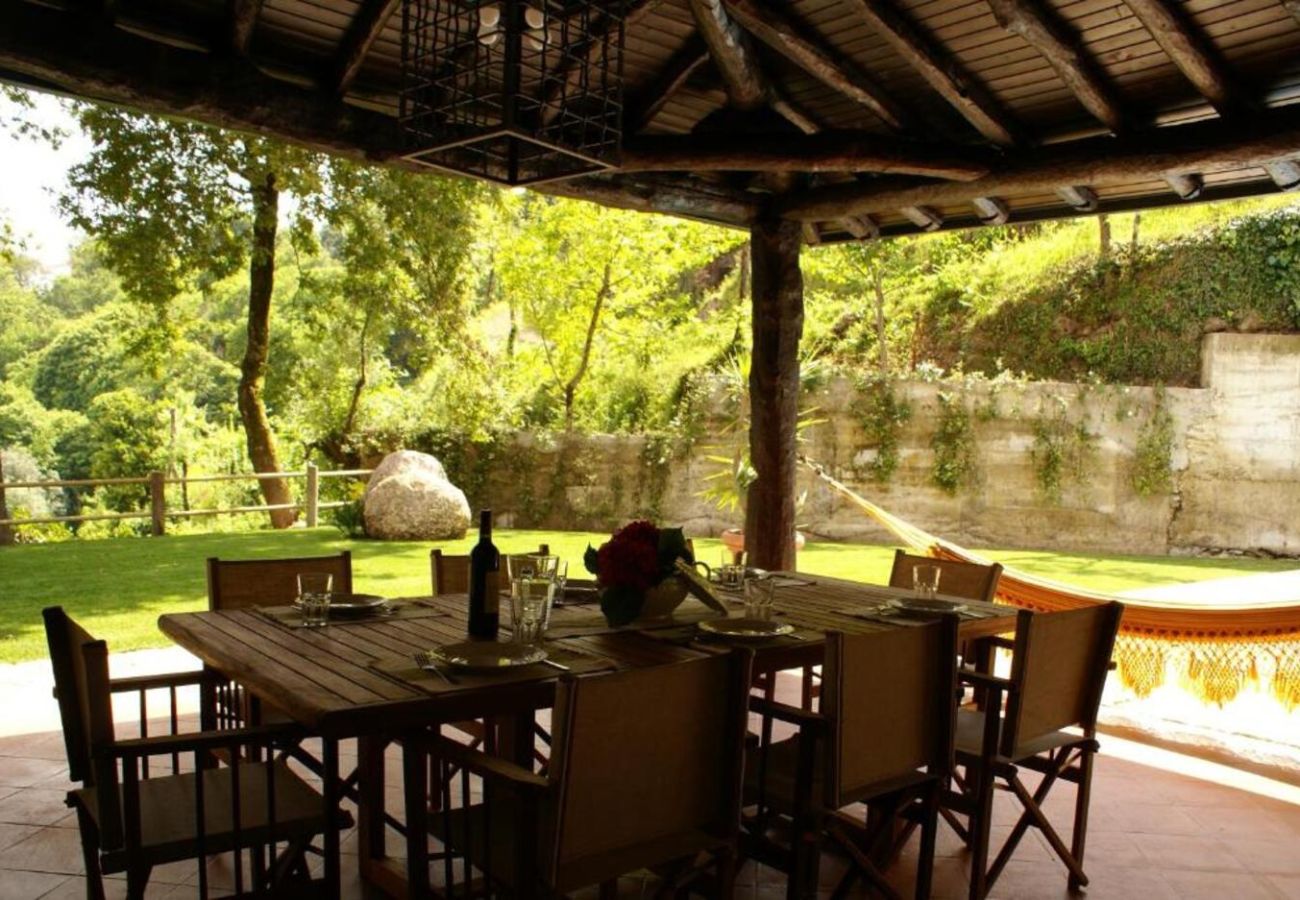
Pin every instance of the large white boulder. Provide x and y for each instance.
(408, 498)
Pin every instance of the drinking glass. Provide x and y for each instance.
(314, 598)
(759, 594)
(731, 576)
(561, 579)
(925, 582)
(535, 565)
(530, 608)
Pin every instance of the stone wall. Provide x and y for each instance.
(1235, 465)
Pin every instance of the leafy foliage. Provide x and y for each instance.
(953, 442)
(1063, 451)
(1152, 455)
(883, 416)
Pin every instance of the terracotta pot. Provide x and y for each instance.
(734, 540)
(663, 598)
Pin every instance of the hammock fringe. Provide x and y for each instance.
(1215, 652)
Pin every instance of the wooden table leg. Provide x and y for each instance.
(415, 776)
(370, 788)
(330, 789)
(516, 738)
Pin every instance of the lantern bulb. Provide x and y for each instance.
(489, 16)
(533, 17)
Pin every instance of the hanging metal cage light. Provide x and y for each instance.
(515, 91)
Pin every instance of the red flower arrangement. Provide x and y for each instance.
(635, 559)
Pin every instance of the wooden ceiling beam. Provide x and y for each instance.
(1184, 44)
(1187, 187)
(243, 19)
(1063, 51)
(923, 217)
(828, 151)
(796, 43)
(732, 55)
(1293, 6)
(1285, 173)
(963, 92)
(648, 103)
(1079, 197)
(992, 210)
(361, 35)
(569, 75)
(1199, 147)
(52, 51)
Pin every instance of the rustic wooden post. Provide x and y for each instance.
(313, 494)
(6, 531)
(777, 292)
(158, 503)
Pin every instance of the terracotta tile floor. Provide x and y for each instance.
(1162, 826)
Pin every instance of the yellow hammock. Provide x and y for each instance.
(1218, 650)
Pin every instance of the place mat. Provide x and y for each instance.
(291, 617)
(404, 669)
(587, 624)
(690, 636)
(877, 613)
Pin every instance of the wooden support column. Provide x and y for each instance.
(777, 294)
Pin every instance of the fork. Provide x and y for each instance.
(424, 659)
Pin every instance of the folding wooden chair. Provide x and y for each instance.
(132, 818)
(632, 785)
(1058, 671)
(884, 737)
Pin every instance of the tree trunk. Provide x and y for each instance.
(774, 393)
(6, 531)
(1103, 236)
(252, 370)
(1133, 242)
(354, 403)
(571, 387)
(882, 347)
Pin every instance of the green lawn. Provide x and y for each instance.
(118, 588)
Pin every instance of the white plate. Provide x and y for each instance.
(923, 605)
(346, 604)
(745, 629)
(487, 656)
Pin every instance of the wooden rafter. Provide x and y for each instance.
(828, 151)
(732, 56)
(1183, 44)
(649, 102)
(569, 75)
(796, 43)
(47, 49)
(361, 35)
(1079, 197)
(1187, 186)
(992, 210)
(1182, 150)
(923, 217)
(1294, 7)
(1285, 173)
(1041, 30)
(243, 19)
(945, 75)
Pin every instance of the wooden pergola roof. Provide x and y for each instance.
(856, 117)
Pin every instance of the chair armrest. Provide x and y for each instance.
(487, 766)
(982, 679)
(154, 682)
(784, 712)
(164, 744)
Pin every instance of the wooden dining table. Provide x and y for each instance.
(355, 680)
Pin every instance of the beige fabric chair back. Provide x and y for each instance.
(241, 583)
(959, 579)
(1059, 667)
(890, 701)
(646, 758)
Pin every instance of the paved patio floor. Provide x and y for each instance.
(1163, 826)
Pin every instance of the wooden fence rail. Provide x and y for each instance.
(158, 512)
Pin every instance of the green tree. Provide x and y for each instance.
(169, 201)
(129, 435)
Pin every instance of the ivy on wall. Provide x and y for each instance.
(1153, 451)
(955, 458)
(882, 414)
(1063, 450)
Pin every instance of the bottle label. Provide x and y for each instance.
(491, 594)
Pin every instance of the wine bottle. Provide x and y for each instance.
(484, 591)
